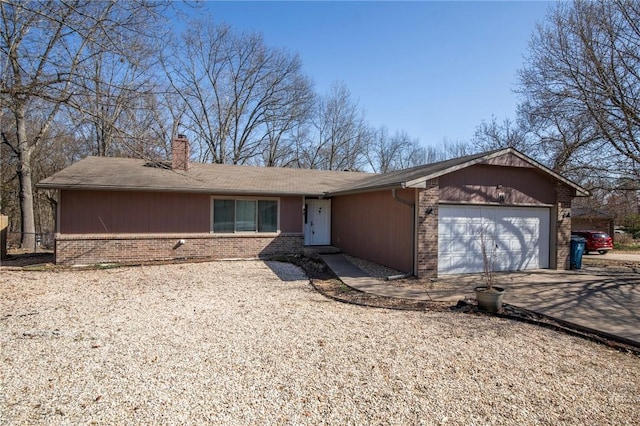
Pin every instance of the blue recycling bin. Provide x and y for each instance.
(577, 249)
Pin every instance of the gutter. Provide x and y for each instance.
(413, 226)
(184, 190)
(403, 201)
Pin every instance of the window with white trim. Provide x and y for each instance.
(245, 215)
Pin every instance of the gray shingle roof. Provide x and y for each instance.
(414, 176)
(104, 173)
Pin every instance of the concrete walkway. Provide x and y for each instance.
(598, 298)
(355, 277)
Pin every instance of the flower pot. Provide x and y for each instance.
(489, 300)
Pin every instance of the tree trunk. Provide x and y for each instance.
(28, 223)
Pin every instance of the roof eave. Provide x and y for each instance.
(212, 191)
(397, 185)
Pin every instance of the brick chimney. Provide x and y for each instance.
(180, 153)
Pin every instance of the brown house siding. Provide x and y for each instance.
(121, 226)
(508, 160)
(375, 227)
(291, 214)
(116, 212)
(479, 184)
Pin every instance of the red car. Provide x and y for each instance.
(596, 241)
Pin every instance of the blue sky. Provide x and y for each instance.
(432, 69)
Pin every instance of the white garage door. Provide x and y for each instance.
(516, 238)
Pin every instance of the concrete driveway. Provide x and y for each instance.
(613, 255)
(606, 299)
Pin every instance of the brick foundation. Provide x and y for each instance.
(85, 249)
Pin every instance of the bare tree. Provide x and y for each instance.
(414, 153)
(282, 124)
(115, 94)
(44, 46)
(240, 95)
(338, 135)
(382, 151)
(494, 135)
(580, 87)
(388, 153)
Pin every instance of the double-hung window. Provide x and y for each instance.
(245, 215)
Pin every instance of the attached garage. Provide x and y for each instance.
(516, 238)
(520, 206)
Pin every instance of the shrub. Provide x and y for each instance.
(631, 224)
(622, 240)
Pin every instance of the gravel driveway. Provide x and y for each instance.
(250, 342)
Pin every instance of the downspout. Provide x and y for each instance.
(413, 226)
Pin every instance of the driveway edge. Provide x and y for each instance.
(615, 342)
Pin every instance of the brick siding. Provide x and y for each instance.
(564, 195)
(428, 230)
(121, 248)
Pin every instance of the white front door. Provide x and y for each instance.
(317, 227)
(517, 238)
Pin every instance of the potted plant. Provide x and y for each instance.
(489, 296)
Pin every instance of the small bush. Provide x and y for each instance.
(631, 224)
(631, 246)
(622, 239)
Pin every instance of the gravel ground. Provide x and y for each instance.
(251, 343)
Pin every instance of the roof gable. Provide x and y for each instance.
(417, 177)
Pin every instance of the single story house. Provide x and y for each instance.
(426, 220)
(586, 218)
